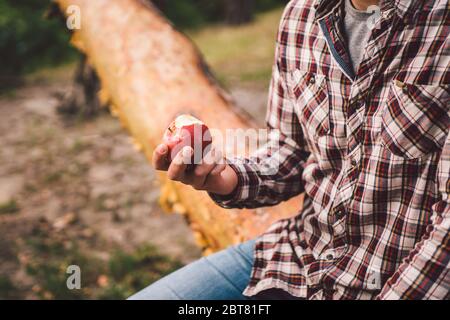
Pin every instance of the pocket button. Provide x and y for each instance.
(400, 84)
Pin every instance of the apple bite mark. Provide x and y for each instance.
(188, 131)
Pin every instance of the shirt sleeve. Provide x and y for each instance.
(273, 173)
(424, 274)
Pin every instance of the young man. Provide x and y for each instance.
(361, 103)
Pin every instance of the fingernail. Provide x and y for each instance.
(188, 151)
(162, 149)
(178, 161)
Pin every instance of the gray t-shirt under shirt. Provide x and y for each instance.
(357, 32)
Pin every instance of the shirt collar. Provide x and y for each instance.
(402, 7)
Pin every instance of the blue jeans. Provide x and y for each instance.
(221, 276)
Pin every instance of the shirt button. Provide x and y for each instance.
(329, 256)
(312, 80)
(339, 214)
(354, 165)
(400, 84)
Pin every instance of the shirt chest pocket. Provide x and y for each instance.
(415, 121)
(309, 92)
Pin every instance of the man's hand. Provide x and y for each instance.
(212, 175)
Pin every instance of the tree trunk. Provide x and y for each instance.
(150, 73)
(239, 11)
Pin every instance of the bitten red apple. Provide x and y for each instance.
(184, 131)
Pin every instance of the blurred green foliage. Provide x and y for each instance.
(28, 40)
(195, 13)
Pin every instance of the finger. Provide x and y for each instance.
(159, 158)
(208, 163)
(214, 177)
(203, 170)
(178, 166)
(218, 169)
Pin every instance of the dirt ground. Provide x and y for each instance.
(81, 179)
(80, 184)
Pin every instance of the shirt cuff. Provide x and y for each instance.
(246, 189)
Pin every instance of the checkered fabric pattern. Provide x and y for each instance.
(370, 148)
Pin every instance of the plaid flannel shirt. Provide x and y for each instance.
(370, 148)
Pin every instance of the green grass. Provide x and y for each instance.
(125, 272)
(130, 272)
(53, 74)
(9, 207)
(7, 289)
(241, 55)
(8, 93)
(79, 146)
(53, 177)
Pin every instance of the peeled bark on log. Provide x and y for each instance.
(150, 73)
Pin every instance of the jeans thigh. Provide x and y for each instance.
(220, 276)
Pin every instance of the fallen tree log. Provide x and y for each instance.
(150, 73)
